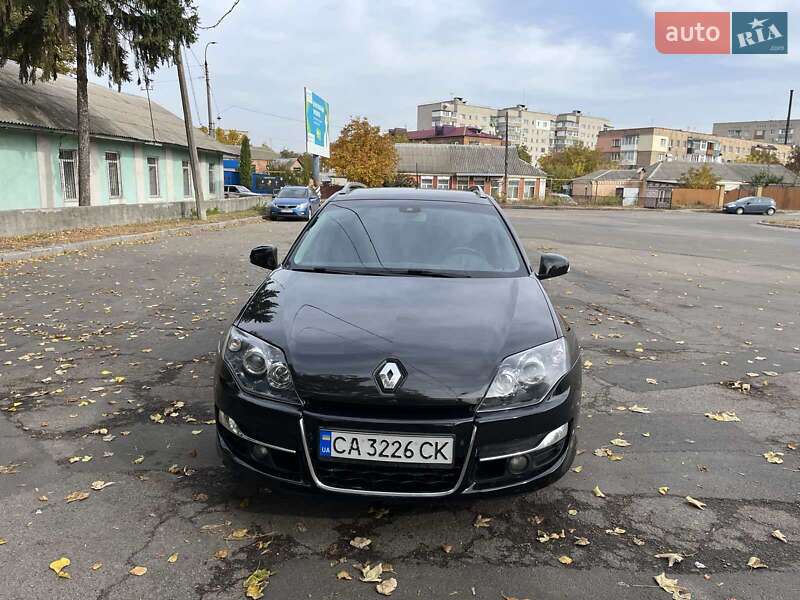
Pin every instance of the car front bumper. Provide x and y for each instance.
(288, 212)
(279, 442)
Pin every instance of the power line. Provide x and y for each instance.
(266, 114)
(194, 95)
(229, 11)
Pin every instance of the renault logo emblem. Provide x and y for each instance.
(389, 375)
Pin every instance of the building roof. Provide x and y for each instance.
(672, 171)
(283, 163)
(462, 160)
(263, 152)
(450, 131)
(609, 175)
(51, 105)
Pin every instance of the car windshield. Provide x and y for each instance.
(385, 237)
(292, 193)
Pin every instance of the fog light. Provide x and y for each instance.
(518, 464)
(259, 452)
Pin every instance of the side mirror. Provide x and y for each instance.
(265, 257)
(552, 265)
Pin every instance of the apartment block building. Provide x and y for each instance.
(772, 132)
(644, 146)
(575, 127)
(540, 132)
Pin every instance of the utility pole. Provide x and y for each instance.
(187, 120)
(788, 119)
(505, 169)
(208, 92)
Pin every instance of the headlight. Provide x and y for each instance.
(302, 206)
(259, 367)
(527, 377)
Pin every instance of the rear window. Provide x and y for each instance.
(410, 237)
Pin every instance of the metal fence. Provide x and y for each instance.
(656, 198)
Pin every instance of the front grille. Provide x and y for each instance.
(390, 478)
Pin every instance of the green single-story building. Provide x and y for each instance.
(139, 152)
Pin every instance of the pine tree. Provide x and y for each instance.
(104, 33)
(245, 163)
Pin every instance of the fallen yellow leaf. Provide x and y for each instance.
(773, 457)
(697, 503)
(779, 536)
(387, 586)
(581, 541)
(254, 584)
(173, 557)
(565, 560)
(138, 571)
(755, 563)
(620, 442)
(344, 575)
(597, 492)
(481, 521)
(360, 542)
(671, 586)
(221, 554)
(578, 469)
(447, 548)
(96, 566)
(723, 417)
(76, 496)
(671, 557)
(371, 574)
(238, 534)
(59, 565)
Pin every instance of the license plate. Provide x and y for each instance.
(385, 447)
(287, 210)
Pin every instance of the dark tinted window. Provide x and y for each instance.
(293, 193)
(389, 236)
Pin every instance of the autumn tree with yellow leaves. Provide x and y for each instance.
(362, 153)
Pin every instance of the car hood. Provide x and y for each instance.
(449, 334)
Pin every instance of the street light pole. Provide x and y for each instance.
(208, 92)
(505, 167)
(788, 119)
(187, 120)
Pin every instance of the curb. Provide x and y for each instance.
(568, 207)
(779, 225)
(58, 250)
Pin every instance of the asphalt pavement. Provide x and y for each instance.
(107, 454)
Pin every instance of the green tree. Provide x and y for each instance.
(362, 153)
(793, 164)
(286, 153)
(524, 153)
(245, 163)
(565, 165)
(761, 157)
(764, 177)
(106, 33)
(701, 178)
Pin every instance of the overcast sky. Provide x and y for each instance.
(380, 58)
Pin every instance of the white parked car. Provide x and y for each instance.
(239, 191)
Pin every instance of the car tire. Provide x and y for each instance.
(770, 211)
(271, 218)
(740, 211)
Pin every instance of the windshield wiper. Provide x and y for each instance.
(429, 273)
(323, 270)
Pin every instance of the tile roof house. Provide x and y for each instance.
(448, 134)
(139, 152)
(731, 175)
(459, 167)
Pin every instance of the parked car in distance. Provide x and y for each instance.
(757, 205)
(346, 189)
(405, 347)
(239, 191)
(293, 202)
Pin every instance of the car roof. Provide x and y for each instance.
(295, 187)
(412, 194)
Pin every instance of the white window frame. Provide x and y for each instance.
(212, 178)
(462, 183)
(426, 182)
(115, 164)
(186, 171)
(529, 189)
(150, 165)
(442, 182)
(513, 184)
(68, 201)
